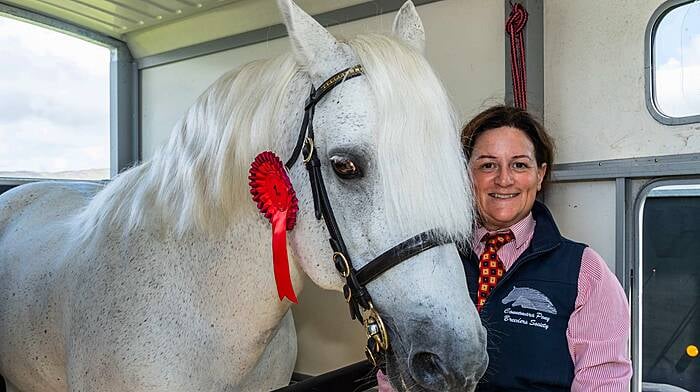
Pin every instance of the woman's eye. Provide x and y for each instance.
(487, 166)
(344, 167)
(520, 165)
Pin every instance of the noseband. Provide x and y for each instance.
(354, 290)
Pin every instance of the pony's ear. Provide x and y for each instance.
(314, 47)
(409, 28)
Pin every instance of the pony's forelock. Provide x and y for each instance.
(421, 162)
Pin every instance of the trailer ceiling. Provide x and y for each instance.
(156, 26)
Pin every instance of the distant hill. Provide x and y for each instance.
(89, 174)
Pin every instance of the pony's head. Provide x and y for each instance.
(391, 160)
(392, 164)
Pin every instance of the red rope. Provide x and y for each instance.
(515, 26)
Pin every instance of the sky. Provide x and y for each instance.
(54, 100)
(677, 61)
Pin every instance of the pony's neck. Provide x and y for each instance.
(266, 117)
(196, 188)
(237, 272)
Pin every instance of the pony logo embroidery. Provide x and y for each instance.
(528, 298)
(534, 307)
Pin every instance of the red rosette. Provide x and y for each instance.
(273, 192)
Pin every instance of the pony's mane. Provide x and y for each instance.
(199, 178)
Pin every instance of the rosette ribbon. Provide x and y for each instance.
(273, 192)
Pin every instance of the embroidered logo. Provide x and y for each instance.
(528, 298)
(534, 305)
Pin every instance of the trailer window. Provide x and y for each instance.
(54, 104)
(670, 287)
(675, 62)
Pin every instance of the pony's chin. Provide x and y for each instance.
(401, 380)
(398, 375)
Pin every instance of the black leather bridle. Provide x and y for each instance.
(355, 290)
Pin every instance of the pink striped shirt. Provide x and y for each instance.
(599, 328)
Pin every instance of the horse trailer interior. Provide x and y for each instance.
(627, 174)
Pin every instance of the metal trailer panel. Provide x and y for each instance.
(595, 103)
(585, 212)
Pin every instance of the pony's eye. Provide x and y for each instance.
(344, 167)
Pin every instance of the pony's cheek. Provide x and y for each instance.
(306, 239)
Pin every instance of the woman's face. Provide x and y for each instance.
(506, 176)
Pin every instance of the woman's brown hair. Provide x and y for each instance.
(509, 116)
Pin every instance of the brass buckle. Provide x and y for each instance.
(347, 293)
(375, 329)
(310, 145)
(346, 271)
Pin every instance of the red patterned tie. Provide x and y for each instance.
(491, 268)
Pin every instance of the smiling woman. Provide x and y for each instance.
(558, 318)
(54, 104)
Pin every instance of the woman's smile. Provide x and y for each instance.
(503, 195)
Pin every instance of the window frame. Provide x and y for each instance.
(637, 284)
(124, 146)
(649, 70)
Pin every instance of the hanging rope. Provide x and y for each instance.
(515, 26)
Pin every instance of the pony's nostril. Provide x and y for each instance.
(430, 372)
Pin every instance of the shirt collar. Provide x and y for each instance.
(522, 232)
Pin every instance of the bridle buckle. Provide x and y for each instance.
(341, 264)
(308, 149)
(375, 329)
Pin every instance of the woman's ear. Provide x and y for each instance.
(541, 172)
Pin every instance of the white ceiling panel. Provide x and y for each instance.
(118, 17)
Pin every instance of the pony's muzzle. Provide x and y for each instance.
(433, 373)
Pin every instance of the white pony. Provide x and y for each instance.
(162, 280)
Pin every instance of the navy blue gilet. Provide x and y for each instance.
(527, 313)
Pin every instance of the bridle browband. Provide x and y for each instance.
(354, 290)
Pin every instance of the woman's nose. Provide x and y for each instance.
(504, 177)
